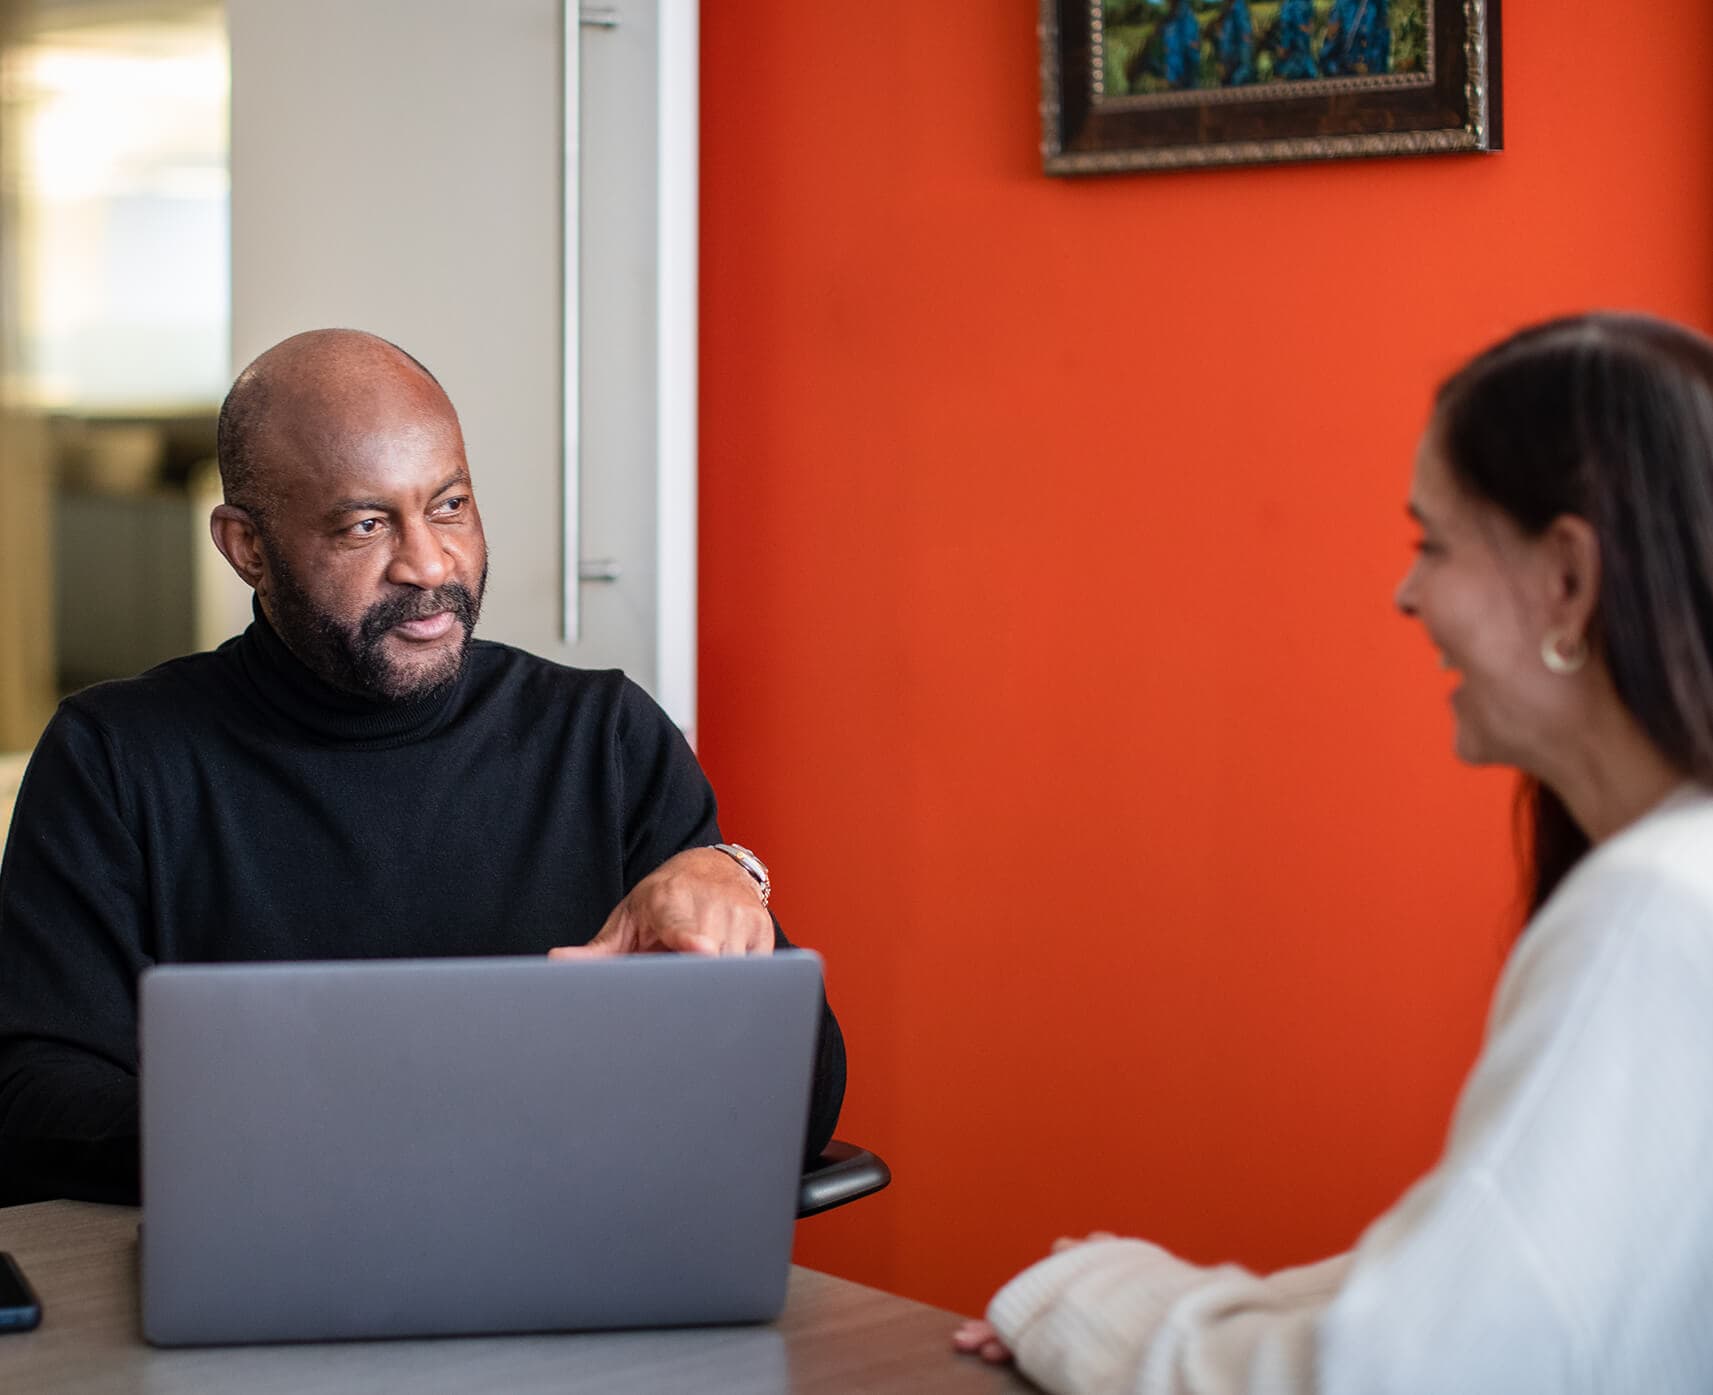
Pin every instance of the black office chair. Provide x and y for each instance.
(841, 1174)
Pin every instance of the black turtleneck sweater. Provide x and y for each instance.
(232, 806)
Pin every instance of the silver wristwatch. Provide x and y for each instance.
(751, 864)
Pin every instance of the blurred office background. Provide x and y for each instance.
(115, 293)
(494, 187)
(1046, 536)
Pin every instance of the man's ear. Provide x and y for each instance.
(239, 540)
(1572, 553)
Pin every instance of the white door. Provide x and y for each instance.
(508, 191)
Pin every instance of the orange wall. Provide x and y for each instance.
(1049, 531)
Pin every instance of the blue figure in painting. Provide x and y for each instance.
(1234, 44)
(1173, 52)
(1180, 41)
(1358, 38)
(1292, 41)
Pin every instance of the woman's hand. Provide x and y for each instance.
(978, 1338)
(1067, 1242)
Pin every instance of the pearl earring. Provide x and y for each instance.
(1559, 659)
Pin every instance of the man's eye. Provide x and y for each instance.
(454, 504)
(366, 527)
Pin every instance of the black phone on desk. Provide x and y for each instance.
(20, 1309)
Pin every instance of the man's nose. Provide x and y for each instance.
(420, 559)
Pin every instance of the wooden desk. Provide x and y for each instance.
(834, 1336)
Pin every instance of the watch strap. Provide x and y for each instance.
(752, 864)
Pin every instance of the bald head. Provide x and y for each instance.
(312, 396)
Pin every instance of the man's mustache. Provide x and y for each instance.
(418, 605)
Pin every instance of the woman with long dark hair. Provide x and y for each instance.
(1564, 1242)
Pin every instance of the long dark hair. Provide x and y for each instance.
(1609, 418)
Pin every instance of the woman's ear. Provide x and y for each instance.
(1572, 558)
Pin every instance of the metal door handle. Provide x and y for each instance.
(572, 571)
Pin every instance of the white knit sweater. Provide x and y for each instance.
(1564, 1243)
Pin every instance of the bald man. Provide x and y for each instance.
(355, 776)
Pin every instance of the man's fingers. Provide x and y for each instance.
(679, 940)
(692, 904)
(613, 929)
(711, 934)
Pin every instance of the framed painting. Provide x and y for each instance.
(1170, 84)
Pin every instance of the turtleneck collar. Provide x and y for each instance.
(288, 687)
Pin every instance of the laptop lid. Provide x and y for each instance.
(391, 1148)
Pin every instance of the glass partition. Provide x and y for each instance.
(113, 120)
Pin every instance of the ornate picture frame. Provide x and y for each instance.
(1175, 84)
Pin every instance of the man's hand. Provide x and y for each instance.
(699, 902)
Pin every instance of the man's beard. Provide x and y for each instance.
(352, 658)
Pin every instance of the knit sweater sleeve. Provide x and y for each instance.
(1126, 1316)
(71, 946)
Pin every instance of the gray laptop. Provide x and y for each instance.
(403, 1148)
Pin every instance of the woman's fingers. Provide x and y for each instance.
(979, 1339)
